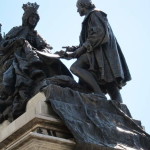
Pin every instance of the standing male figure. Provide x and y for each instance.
(100, 63)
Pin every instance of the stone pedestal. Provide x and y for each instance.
(39, 128)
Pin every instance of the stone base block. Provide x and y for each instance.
(36, 141)
(39, 128)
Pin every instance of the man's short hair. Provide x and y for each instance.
(86, 4)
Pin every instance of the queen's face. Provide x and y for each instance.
(33, 20)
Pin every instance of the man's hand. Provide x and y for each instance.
(70, 48)
(61, 53)
(77, 53)
(71, 55)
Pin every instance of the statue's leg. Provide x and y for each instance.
(114, 92)
(80, 69)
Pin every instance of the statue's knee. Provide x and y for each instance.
(74, 69)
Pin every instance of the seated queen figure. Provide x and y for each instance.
(22, 67)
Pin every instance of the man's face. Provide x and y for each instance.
(81, 10)
(33, 20)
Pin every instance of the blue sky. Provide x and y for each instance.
(60, 25)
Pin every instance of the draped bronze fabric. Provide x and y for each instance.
(96, 121)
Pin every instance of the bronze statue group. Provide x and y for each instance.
(100, 64)
(28, 66)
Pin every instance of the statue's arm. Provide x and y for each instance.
(96, 33)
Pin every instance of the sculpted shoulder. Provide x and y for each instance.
(14, 31)
(98, 13)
